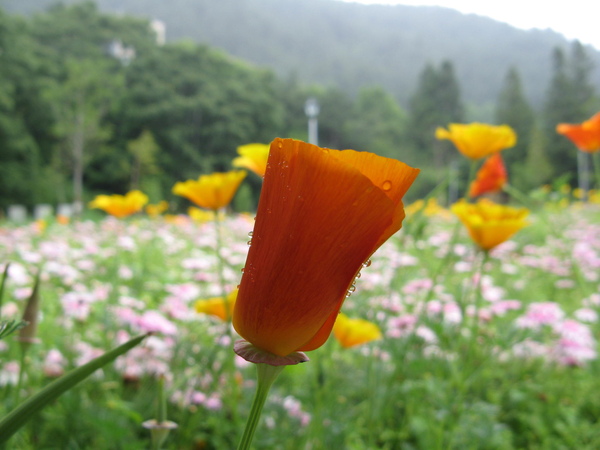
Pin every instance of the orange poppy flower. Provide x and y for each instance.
(321, 215)
(586, 135)
(253, 157)
(120, 205)
(214, 191)
(478, 140)
(217, 306)
(352, 332)
(490, 224)
(491, 177)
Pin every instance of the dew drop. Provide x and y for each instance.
(387, 185)
(358, 275)
(250, 233)
(367, 263)
(242, 270)
(279, 144)
(249, 242)
(352, 288)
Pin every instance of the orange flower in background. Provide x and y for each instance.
(214, 191)
(253, 157)
(586, 135)
(157, 209)
(491, 177)
(321, 214)
(120, 205)
(490, 224)
(62, 219)
(478, 140)
(352, 332)
(217, 306)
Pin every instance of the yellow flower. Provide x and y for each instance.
(351, 332)
(478, 140)
(200, 215)
(212, 191)
(253, 157)
(490, 224)
(157, 209)
(120, 205)
(217, 306)
(429, 209)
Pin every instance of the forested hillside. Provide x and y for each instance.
(351, 45)
(91, 102)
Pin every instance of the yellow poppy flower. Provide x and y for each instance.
(478, 140)
(120, 205)
(217, 306)
(157, 209)
(200, 215)
(490, 224)
(253, 157)
(212, 191)
(351, 332)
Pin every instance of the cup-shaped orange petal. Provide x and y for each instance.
(214, 191)
(490, 224)
(478, 140)
(120, 205)
(586, 135)
(491, 177)
(351, 332)
(252, 157)
(321, 214)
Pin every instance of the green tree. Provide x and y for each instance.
(512, 108)
(143, 150)
(377, 123)
(81, 100)
(569, 98)
(25, 140)
(435, 103)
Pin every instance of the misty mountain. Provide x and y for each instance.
(352, 45)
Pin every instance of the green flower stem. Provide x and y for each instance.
(4, 277)
(221, 267)
(472, 173)
(266, 376)
(596, 163)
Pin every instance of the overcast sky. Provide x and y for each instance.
(575, 19)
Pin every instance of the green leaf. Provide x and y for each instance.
(8, 327)
(4, 277)
(20, 415)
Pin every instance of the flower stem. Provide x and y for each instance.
(596, 163)
(266, 376)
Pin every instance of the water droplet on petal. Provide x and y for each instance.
(367, 263)
(249, 242)
(387, 185)
(250, 233)
(279, 144)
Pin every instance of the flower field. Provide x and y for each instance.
(474, 351)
